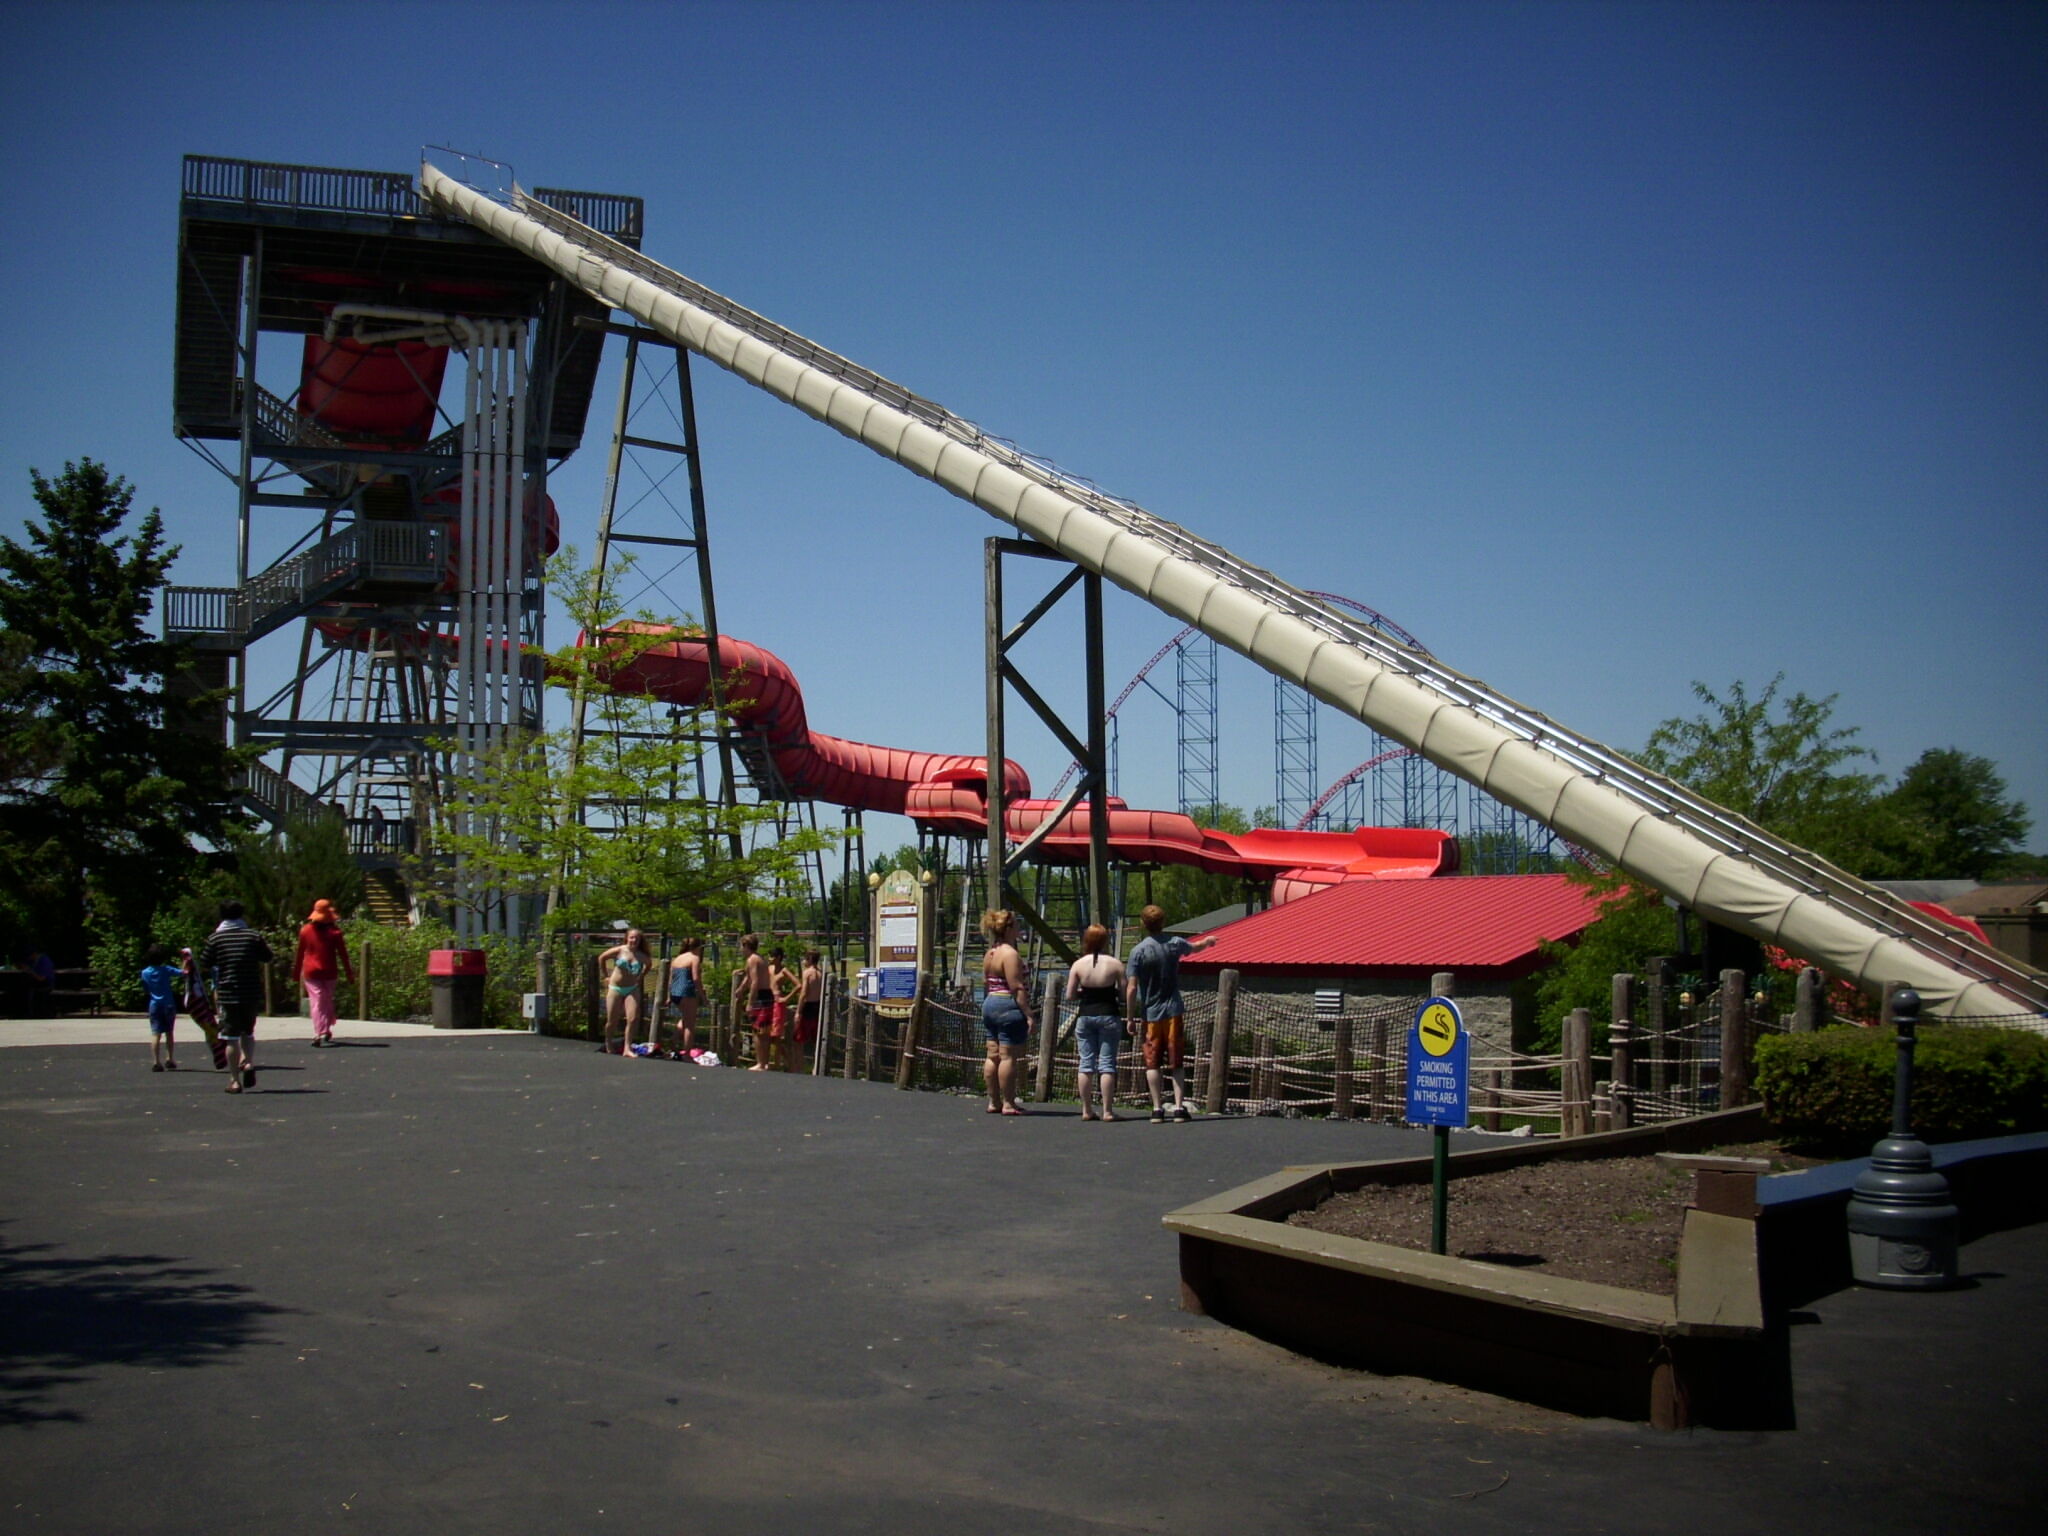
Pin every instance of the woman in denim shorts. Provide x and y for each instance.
(1002, 1011)
(1096, 986)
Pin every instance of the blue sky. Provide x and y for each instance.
(1604, 347)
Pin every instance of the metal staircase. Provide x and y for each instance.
(412, 555)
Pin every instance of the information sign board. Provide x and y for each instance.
(900, 942)
(1439, 1065)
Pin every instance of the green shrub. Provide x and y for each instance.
(400, 988)
(1833, 1089)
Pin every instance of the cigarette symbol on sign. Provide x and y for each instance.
(1438, 1028)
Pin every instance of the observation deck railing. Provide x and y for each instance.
(270, 184)
(266, 184)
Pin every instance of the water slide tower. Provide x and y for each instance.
(385, 389)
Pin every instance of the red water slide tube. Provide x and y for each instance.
(372, 393)
(948, 793)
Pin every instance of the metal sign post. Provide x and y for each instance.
(1439, 1080)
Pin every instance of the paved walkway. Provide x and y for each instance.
(133, 1029)
(501, 1283)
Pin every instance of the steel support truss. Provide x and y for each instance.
(1088, 747)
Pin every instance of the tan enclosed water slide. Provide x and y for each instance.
(1715, 863)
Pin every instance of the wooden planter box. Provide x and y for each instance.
(1709, 1355)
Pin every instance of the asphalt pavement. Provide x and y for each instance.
(503, 1283)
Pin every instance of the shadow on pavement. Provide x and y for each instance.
(65, 1317)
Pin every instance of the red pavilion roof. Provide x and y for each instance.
(1461, 922)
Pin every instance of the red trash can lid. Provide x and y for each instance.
(455, 962)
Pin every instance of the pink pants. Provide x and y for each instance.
(320, 994)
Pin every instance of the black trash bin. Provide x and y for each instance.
(457, 979)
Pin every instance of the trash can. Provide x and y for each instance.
(457, 979)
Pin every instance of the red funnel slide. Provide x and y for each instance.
(949, 793)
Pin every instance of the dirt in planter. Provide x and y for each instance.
(1612, 1220)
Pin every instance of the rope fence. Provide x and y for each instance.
(1662, 1054)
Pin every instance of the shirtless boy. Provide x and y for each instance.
(759, 989)
(810, 997)
(782, 981)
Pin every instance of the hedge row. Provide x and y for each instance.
(1833, 1089)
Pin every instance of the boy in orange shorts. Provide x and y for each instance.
(1152, 1002)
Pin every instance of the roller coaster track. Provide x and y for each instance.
(1379, 621)
(1658, 831)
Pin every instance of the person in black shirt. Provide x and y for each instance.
(233, 960)
(1095, 985)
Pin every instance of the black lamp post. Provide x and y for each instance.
(1902, 1221)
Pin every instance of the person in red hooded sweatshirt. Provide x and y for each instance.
(322, 957)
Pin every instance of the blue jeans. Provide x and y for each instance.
(1099, 1036)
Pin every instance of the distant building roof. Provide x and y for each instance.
(1492, 923)
(1944, 892)
(1985, 900)
(1209, 920)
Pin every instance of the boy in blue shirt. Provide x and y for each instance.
(160, 982)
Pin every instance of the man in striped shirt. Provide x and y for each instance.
(234, 958)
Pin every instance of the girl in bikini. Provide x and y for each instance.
(685, 993)
(623, 1001)
(1002, 1011)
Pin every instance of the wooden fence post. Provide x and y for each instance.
(1262, 1072)
(1048, 1032)
(363, 981)
(1219, 1046)
(1811, 999)
(1657, 1031)
(1376, 1079)
(913, 1031)
(1340, 1089)
(1575, 1077)
(1734, 1039)
(850, 1037)
(1622, 1089)
(1489, 1096)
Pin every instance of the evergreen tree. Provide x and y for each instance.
(281, 873)
(103, 793)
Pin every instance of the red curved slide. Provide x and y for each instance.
(948, 793)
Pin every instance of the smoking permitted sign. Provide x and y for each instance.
(1439, 1055)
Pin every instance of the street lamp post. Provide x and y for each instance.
(1902, 1219)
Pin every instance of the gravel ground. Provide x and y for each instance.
(1611, 1220)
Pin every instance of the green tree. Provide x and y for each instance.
(2018, 867)
(1780, 762)
(1950, 818)
(611, 814)
(104, 792)
(1633, 926)
(281, 873)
